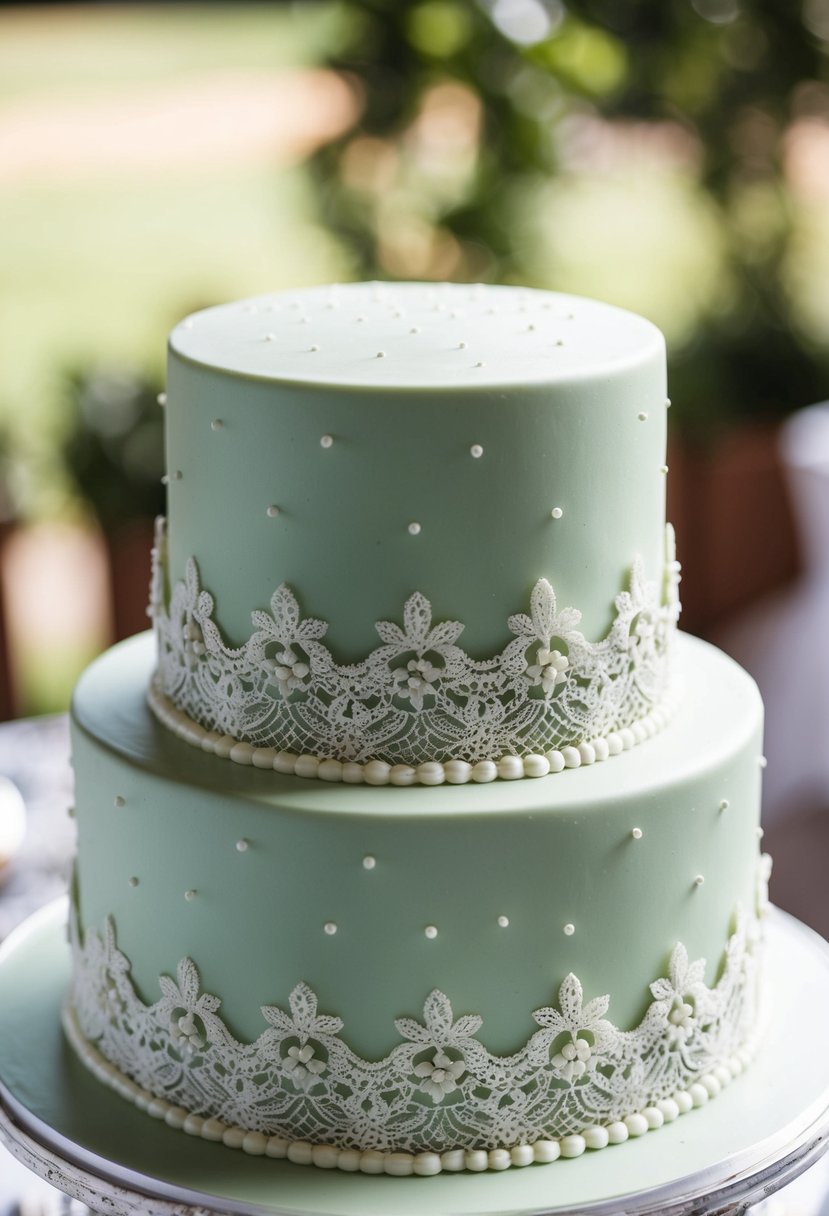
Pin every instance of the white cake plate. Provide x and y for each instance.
(756, 1136)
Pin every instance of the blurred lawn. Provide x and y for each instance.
(96, 266)
(97, 263)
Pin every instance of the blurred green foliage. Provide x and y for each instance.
(492, 134)
(114, 446)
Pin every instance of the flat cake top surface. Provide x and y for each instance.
(416, 335)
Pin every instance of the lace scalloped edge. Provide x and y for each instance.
(418, 709)
(430, 772)
(400, 1163)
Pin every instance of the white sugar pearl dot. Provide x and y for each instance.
(663, 468)
(760, 833)
(162, 399)
(165, 480)
(326, 441)
(216, 424)
(636, 833)
(699, 880)
(133, 882)
(762, 761)
(272, 511)
(313, 348)
(559, 342)
(642, 416)
(724, 804)
(569, 929)
(431, 932)
(330, 928)
(667, 403)
(369, 862)
(476, 451)
(381, 354)
(414, 529)
(556, 512)
(480, 363)
(119, 800)
(190, 895)
(461, 346)
(503, 921)
(242, 846)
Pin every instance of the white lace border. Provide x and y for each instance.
(431, 772)
(402, 1164)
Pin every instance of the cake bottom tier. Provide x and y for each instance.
(271, 961)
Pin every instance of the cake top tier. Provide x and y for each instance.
(416, 335)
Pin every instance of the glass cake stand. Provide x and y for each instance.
(758, 1135)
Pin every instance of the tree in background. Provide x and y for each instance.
(470, 111)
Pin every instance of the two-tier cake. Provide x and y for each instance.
(402, 846)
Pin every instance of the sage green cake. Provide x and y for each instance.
(404, 843)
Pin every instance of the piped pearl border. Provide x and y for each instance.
(401, 1164)
(431, 772)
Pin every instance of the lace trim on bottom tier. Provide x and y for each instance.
(418, 708)
(576, 1083)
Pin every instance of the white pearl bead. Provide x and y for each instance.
(414, 528)
(301, 1152)
(699, 1094)
(476, 451)
(684, 1101)
(431, 932)
(556, 512)
(369, 862)
(353, 773)
(399, 1165)
(431, 773)
(602, 749)
(330, 770)
(453, 1160)
(234, 1137)
(324, 1156)
(372, 1161)
(536, 766)
(669, 1109)
(213, 1130)
(349, 1160)
(484, 770)
(546, 1150)
(556, 761)
(636, 1124)
(427, 1164)
(255, 1144)
(330, 928)
(572, 1146)
(510, 768)
(498, 1159)
(572, 757)
(241, 753)
(377, 772)
(285, 762)
(654, 1117)
(263, 757)
(306, 766)
(503, 921)
(596, 1137)
(617, 1133)
(403, 774)
(476, 1160)
(458, 772)
(588, 753)
(569, 929)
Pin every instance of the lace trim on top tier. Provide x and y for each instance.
(418, 708)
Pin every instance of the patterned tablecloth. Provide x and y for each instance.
(34, 754)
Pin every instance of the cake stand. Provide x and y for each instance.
(759, 1134)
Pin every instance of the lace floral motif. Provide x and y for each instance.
(418, 697)
(439, 1088)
